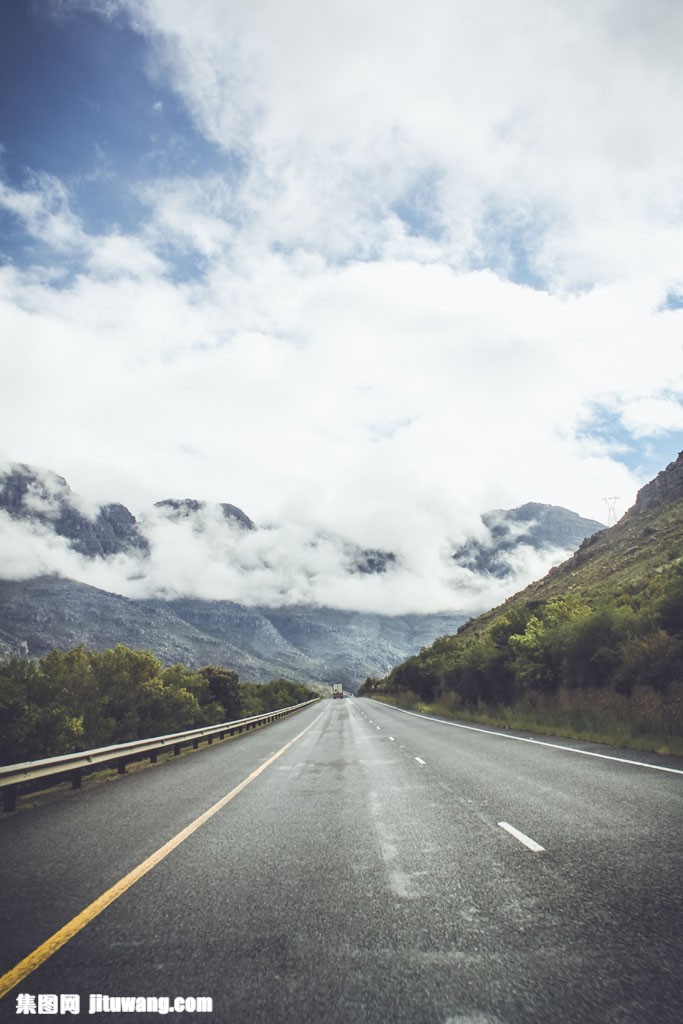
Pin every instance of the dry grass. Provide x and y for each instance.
(609, 727)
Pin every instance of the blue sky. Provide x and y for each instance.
(81, 102)
(371, 269)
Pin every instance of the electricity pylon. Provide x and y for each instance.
(611, 509)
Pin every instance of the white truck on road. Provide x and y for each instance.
(337, 690)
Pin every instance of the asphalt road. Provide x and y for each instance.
(364, 876)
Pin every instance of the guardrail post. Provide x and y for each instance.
(210, 740)
(195, 744)
(153, 757)
(121, 766)
(176, 750)
(9, 798)
(76, 778)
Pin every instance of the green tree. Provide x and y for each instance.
(250, 696)
(121, 675)
(590, 645)
(533, 663)
(70, 677)
(34, 721)
(419, 676)
(166, 707)
(670, 607)
(225, 689)
(180, 677)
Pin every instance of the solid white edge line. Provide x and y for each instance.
(420, 761)
(538, 743)
(536, 847)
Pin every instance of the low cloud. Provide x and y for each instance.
(204, 555)
(27, 551)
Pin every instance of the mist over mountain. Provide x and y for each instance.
(202, 582)
(533, 524)
(189, 507)
(45, 499)
(188, 548)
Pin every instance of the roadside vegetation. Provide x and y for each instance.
(77, 700)
(593, 651)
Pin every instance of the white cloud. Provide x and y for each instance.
(281, 565)
(647, 417)
(550, 118)
(332, 337)
(45, 211)
(116, 255)
(31, 549)
(378, 395)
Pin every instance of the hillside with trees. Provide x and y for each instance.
(593, 650)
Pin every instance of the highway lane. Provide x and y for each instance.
(363, 876)
(610, 876)
(56, 859)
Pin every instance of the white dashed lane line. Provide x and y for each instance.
(530, 843)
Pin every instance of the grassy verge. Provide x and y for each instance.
(612, 729)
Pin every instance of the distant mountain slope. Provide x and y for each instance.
(307, 644)
(541, 527)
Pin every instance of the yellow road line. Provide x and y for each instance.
(60, 938)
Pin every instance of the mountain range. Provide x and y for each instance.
(43, 606)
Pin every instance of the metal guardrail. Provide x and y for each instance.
(73, 765)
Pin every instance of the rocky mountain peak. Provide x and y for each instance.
(184, 508)
(666, 487)
(24, 491)
(538, 526)
(43, 497)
